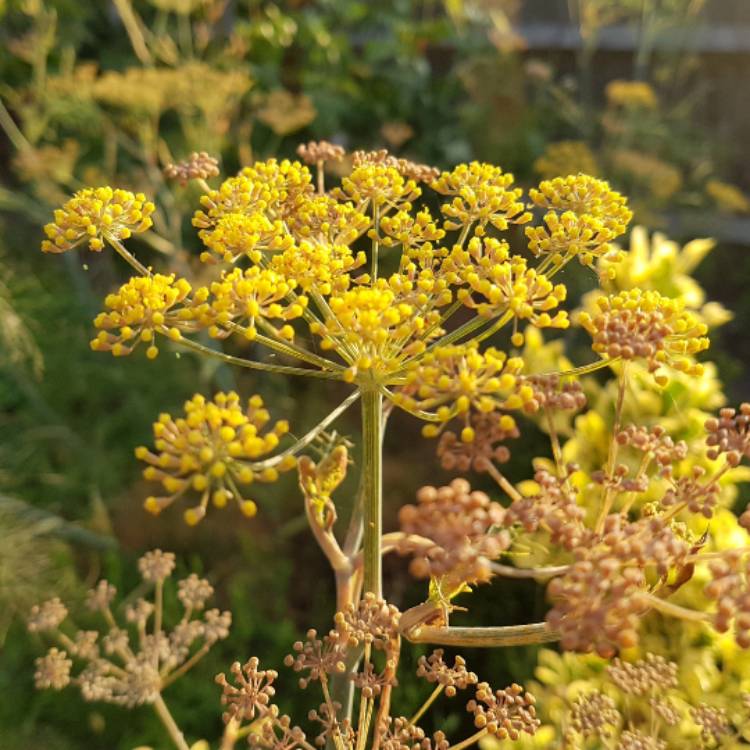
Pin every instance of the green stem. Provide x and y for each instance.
(491, 637)
(372, 469)
(433, 696)
(169, 724)
(253, 365)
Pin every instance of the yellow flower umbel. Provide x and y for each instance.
(482, 195)
(213, 449)
(95, 215)
(455, 381)
(500, 283)
(242, 300)
(374, 330)
(143, 307)
(583, 216)
(645, 325)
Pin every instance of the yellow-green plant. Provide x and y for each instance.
(363, 286)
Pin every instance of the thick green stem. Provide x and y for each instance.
(372, 471)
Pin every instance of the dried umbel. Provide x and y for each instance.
(729, 434)
(730, 588)
(315, 152)
(213, 450)
(364, 647)
(647, 326)
(594, 715)
(504, 713)
(131, 662)
(639, 741)
(198, 166)
(434, 669)
(485, 449)
(457, 532)
(555, 509)
(713, 722)
(252, 694)
(599, 600)
(654, 674)
(410, 169)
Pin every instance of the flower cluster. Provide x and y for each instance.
(215, 448)
(141, 308)
(452, 532)
(583, 215)
(648, 326)
(454, 381)
(133, 661)
(97, 215)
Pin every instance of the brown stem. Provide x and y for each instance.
(505, 485)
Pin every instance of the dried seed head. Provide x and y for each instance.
(554, 392)
(485, 448)
(597, 602)
(633, 740)
(199, 165)
(594, 715)
(713, 722)
(252, 693)
(650, 675)
(47, 616)
(193, 592)
(314, 152)
(504, 713)
(100, 597)
(52, 670)
(461, 525)
(554, 509)
(434, 669)
(156, 566)
(729, 434)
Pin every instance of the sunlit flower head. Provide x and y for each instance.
(318, 267)
(497, 282)
(94, 215)
(482, 194)
(638, 324)
(238, 234)
(374, 329)
(243, 299)
(322, 219)
(141, 308)
(583, 215)
(378, 184)
(457, 380)
(213, 449)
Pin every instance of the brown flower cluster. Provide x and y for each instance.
(598, 601)
(458, 533)
(198, 166)
(554, 509)
(487, 447)
(315, 152)
(730, 589)
(434, 669)
(649, 675)
(132, 662)
(506, 713)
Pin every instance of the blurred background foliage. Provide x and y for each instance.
(646, 93)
